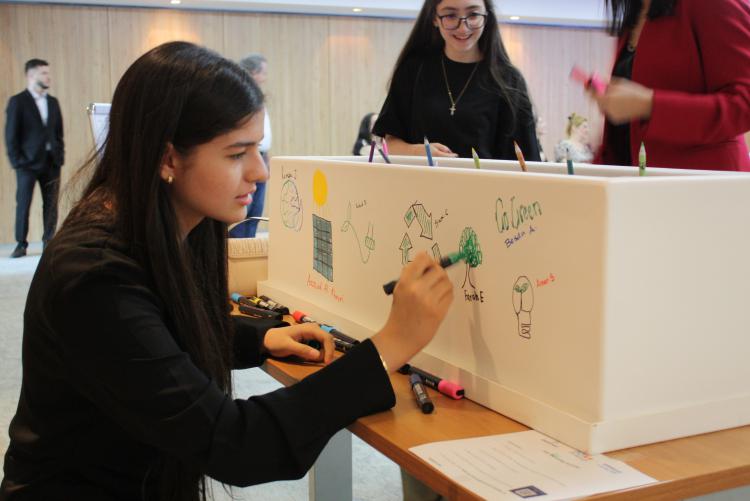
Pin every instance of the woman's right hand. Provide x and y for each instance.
(420, 302)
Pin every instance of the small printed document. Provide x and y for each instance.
(527, 465)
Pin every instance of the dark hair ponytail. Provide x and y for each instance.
(186, 95)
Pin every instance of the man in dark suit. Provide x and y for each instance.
(34, 140)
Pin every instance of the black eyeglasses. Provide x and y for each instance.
(473, 21)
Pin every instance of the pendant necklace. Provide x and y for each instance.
(454, 102)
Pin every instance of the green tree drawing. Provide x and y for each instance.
(471, 251)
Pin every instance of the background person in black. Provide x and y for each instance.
(364, 135)
(34, 141)
(454, 83)
(128, 343)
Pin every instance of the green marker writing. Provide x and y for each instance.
(445, 262)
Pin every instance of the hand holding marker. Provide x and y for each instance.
(342, 342)
(591, 81)
(445, 262)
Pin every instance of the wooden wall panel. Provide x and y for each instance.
(364, 52)
(298, 66)
(133, 32)
(545, 56)
(11, 83)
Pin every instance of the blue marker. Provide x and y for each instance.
(429, 152)
(338, 334)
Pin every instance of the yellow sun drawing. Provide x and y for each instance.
(320, 188)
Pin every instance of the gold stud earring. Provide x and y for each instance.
(170, 179)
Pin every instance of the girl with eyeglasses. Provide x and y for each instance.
(454, 84)
(680, 84)
(128, 342)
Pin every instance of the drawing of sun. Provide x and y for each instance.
(320, 188)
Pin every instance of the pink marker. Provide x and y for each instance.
(449, 388)
(592, 81)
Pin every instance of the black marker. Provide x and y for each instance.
(260, 303)
(276, 306)
(258, 312)
(248, 307)
(338, 344)
(448, 260)
(423, 400)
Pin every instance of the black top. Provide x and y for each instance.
(418, 105)
(27, 136)
(107, 391)
(620, 134)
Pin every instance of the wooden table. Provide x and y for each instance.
(685, 468)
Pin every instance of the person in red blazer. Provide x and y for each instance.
(680, 84)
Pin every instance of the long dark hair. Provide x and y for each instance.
(623, 14)
(186, 95)
(425, 39)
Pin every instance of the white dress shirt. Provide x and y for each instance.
(265, 145)
(41, 103)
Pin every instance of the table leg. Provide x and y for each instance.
(331, 476)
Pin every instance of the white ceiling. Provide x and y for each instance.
(576, 12)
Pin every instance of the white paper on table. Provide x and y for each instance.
(527, 465)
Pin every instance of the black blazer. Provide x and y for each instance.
(26, 136)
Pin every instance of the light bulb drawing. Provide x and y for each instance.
(523, 303)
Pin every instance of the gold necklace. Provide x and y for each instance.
(447, 85)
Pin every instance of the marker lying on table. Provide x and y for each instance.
(248, 307)
(448, 260)
(276, 306)
(338, 344)
(302, 318)
(449, 388)
(260, 303)
(338, 334)
(423, 400)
